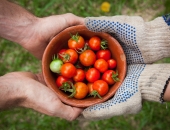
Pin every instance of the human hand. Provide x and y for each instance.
(31, 32)
(28, 90)
(44, 29)
(142, 82)
(141, 42)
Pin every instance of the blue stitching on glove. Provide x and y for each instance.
(127, 89)
(124, 33)
(167, 19)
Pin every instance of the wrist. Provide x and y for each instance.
(153, 82)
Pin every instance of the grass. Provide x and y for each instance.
(154, 116)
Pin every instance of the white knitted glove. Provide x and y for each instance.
(143, 42)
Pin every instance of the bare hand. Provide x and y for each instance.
(44, 29)
(28, 90)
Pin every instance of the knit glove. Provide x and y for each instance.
(143, 42)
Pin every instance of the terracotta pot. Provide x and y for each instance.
(59, 42)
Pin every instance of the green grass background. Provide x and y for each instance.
(154, 116)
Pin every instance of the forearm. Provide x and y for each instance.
(14, 22)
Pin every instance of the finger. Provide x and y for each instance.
(48, 103)
(71, 19)
(44, 100)
(67, 112)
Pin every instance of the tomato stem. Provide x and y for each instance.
(115, 76)
(73, 90)
(75, 37)
(66, 57)
(54, 57)
(65, 86)
(69, 87)
(104, 44)
(81, 50)
(94, 93)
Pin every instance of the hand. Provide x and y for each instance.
(44, 29)
(28, 90)
(31, 32)
(141, 42)
(143, 82)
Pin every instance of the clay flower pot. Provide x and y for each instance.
(59, 42)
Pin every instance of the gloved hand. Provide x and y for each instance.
(143, 42)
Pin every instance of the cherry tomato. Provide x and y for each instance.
(103, 54)
(68, 70)
(55, 65)
(101, 87)
(87, 58)
(61, 54)
(92, 75)
(90, 86)
(60, 80)
(76, 42)
(112, 63)
(80, 75)
(101, 65)
(110, 76)
(81, 90)
(70, 56)
(94, 43)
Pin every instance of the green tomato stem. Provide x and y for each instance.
(104, 44)
(75, 37)
(69, 87)
(94, 93)
(115, 76)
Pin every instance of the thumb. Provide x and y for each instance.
(71, 19)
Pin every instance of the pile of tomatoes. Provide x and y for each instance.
(85, 68)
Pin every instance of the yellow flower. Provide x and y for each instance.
(105, 6)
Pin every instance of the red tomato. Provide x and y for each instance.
(80, 75)
(101, 65)
(76, 42)
(112, 63)
(70, 56)
(92, 75)
(68, 70)
(110, 76)
(90, 86)
(81, 90)
(101, 87)
(60, 80)
(87, 58)
(103, 54)
(61, 53)
(94, 43)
